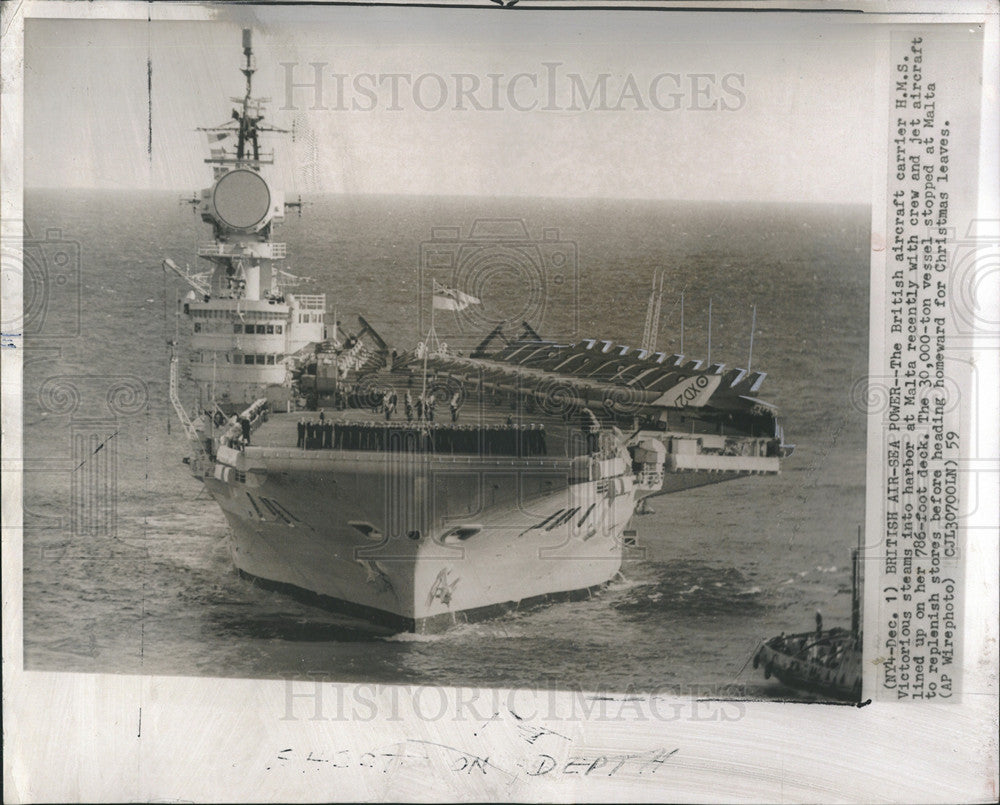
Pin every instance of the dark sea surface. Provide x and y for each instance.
(125, 564)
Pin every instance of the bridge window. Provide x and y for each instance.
(277, 329)
(248, 359)
(269, 329)
(259, 359)
(261, 329)
(197, 327)
(237, 328)
(270, 360)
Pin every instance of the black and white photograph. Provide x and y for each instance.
(401, 352)
(512, 407)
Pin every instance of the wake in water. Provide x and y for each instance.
(504, 627)
(292, 628)
(689, 587)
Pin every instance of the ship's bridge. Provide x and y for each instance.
(240, 347)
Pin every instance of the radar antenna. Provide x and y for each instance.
(246, 121)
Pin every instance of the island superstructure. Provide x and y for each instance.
(425, 488)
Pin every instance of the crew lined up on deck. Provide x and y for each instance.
(419, 407)
(501, 440)
(386, 401)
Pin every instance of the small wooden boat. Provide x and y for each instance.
(826, 662)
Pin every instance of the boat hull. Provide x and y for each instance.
(824, 663)
(435, 624)
(425, 544)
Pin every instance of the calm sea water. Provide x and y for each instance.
(125, 568)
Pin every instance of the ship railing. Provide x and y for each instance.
(263, 158)
(277, 458)
(262, 249)
(175, 400)
(212, 249)
(310, 301)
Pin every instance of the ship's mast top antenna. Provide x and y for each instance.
(248, 124)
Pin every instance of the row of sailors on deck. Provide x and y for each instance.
(420, 407)
(504, 440)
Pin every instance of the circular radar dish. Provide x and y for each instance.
(242, 199)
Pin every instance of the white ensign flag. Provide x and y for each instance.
(451, 299)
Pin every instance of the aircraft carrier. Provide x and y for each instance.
(424, 488)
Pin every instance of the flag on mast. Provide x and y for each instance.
(213, 136)
(451, 299)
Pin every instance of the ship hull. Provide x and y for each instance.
(434, 624)
(424, 544)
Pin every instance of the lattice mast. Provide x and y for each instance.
(650, 333)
